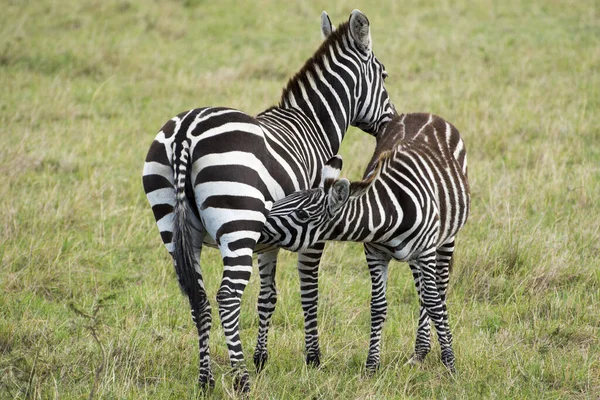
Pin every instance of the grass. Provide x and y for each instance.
(89, 304)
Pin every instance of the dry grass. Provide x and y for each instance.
(88, 298)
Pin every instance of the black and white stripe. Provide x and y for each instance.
(211, 175)
(411, 204)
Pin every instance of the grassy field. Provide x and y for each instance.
(89, 304)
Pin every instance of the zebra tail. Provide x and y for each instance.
(183, 250)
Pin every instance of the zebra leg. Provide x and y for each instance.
(201, 314)
(308, 269)
(423, 339)
(378, 268)
(443, 264)
(236, 249)
(267, 298)
(159, 184)
(431, 300)
(202, 317)
(195, 291)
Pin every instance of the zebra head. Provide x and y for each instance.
(373, 107)
(303, 218)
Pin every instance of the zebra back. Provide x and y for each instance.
(428, 128)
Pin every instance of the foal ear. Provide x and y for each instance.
(331, 169)
(360, 29)
(326, 26)
(338, 195)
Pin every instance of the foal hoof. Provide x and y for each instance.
(206, 382)
(313, 359)
(241, 383)
(260, 359)
(449, 365)
(415, 360)
(371, 369)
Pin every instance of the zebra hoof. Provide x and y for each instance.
(371, 369)
(206, 382)
(415, 360)
(448, 360)
(260, 359)
(313, 359)
(241, 383)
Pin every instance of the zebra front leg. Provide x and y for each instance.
(308, 270)
(237, 262)
(423, 339)
(431, 299)
(378, 268)
(267, 298)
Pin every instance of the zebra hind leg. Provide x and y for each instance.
(236, 250)
(423, 338)
(444, 256)
(378, 269)
(431, 299)
(267, 298)
(201, 314)
(188, 235)
(182, 234)
(308, 270)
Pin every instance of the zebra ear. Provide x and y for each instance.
(331, 170)
(338, 195)
(326, 26)
(360, 29)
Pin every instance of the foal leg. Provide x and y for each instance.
(378, 269)
(443, 265)
(432, 301)
(308, 270)
(267, 298)
(423, 339)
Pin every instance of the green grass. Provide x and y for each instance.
(88, 296)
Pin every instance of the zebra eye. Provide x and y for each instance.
(384, 74)
(302, 215)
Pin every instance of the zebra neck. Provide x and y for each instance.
(323, 91)
(327, 117)
(351, 224)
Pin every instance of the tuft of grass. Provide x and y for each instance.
(89, 304)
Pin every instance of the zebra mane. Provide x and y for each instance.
(359, 187)
(316, 59)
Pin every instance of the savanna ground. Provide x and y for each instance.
(89, 303)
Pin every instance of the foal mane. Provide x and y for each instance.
(359, 187)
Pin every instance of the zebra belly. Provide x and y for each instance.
(399, 252)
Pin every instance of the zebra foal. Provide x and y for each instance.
(212, 174)
(411, 203)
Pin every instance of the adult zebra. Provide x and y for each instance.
(211, 175)
(410, 205)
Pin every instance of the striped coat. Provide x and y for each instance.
(212, 173)
(410, 206)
